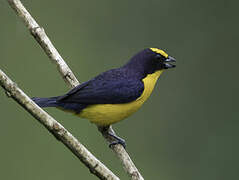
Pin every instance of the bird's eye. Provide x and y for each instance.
(158, 56)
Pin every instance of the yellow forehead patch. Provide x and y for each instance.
(159, 51)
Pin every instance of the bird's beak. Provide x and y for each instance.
(168, 61)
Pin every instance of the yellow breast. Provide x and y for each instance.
(106, 114)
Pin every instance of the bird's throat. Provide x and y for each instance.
(149, 83)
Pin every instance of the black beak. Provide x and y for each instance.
(167, 62)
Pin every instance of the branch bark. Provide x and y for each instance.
(124, 157)
(95, 166)
(66, 73)
(39, 34)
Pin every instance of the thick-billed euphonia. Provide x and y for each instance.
(115, 94)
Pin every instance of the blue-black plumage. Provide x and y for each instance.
(120, 86)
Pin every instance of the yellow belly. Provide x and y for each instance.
(106, 114)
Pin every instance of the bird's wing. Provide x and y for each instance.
(100, 91)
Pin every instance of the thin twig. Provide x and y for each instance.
(39, 34)
(95, 166)
(69, 77)
(124, 157)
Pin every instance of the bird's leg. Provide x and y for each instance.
(118, 140)
(109, 134)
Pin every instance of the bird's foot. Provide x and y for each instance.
(118, 140)
(110, 135)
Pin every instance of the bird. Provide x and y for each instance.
(114, 94)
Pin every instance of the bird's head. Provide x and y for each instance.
(161, 59)
(151, 60)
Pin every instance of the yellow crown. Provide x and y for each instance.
(159, 51)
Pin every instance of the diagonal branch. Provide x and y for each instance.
(41, 37)
(124, 157)
(95, 166)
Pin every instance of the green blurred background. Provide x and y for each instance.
(187, 130)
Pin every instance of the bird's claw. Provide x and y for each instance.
(122, 142)
(118, 140)
(111, 136)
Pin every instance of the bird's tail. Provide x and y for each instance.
(46, 102)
